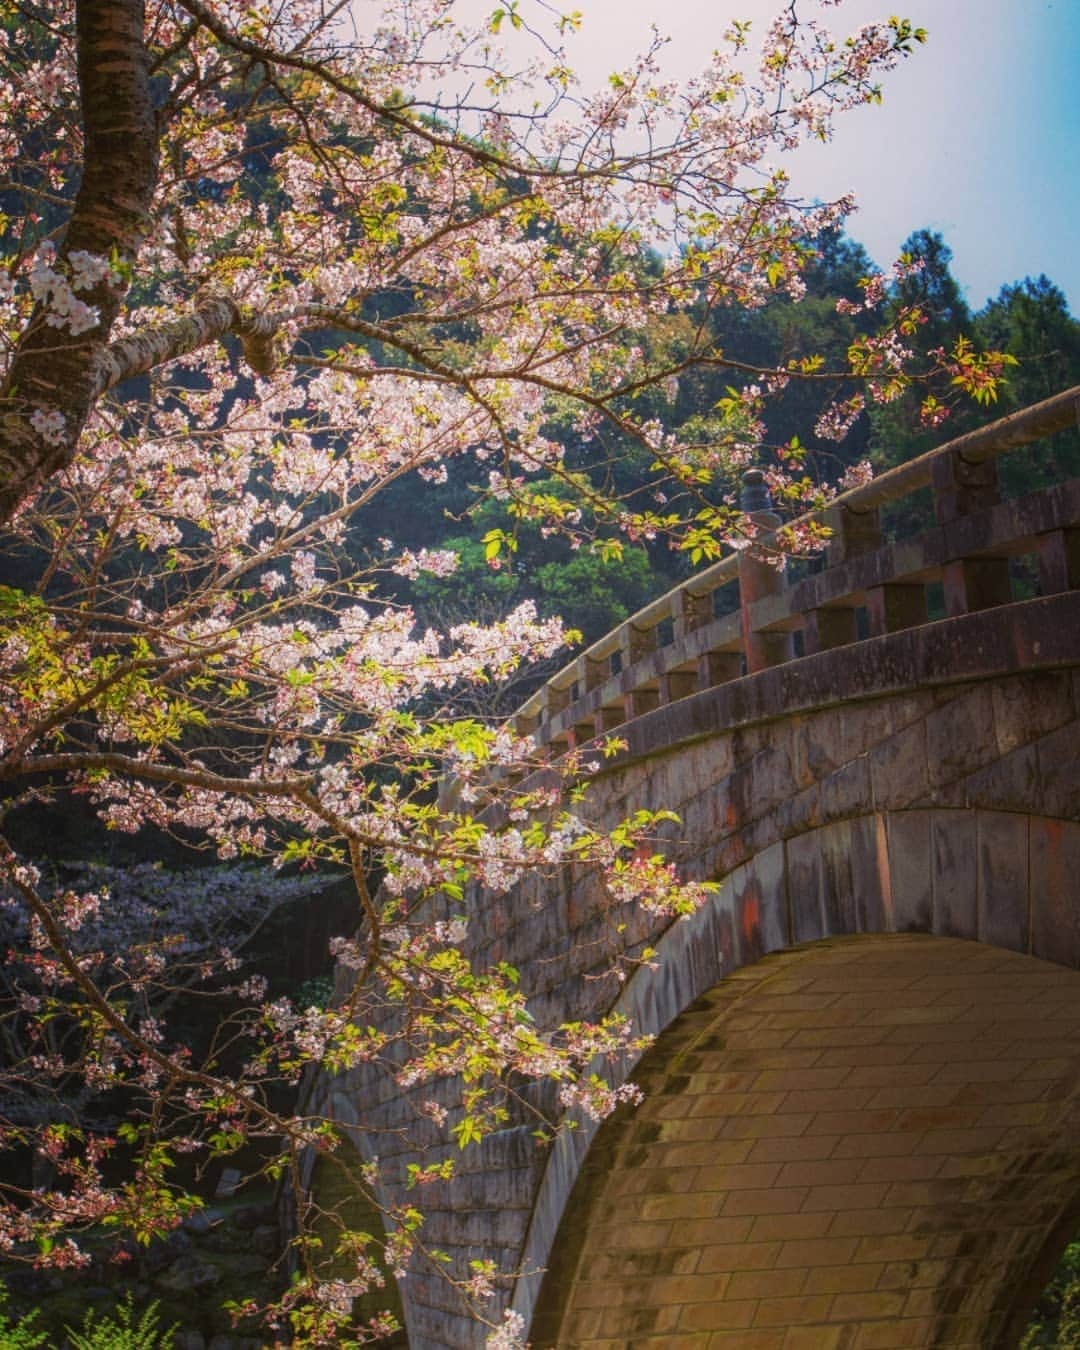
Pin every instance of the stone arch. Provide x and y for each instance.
(1008, 879)
(867, 1142)
(923, 781)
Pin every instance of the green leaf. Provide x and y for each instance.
(467, 1131)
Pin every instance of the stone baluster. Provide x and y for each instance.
(449, 793)
(594, 675)
(961, 488)
(759, 577)
(895, 606)
(1059, 561)
(526, 724)
(553, 702)
(824, 629)
(853, 534)
(718, 667)
(676, 684)
(607, 719)
(1059, 553)
(689, 613)
(635, 644)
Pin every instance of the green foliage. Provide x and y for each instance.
(122, 1332)
(19, 1335)
(1056, 1320)
(898, 430)
(505, 556)
(315, 992)
(1031, 321)
(593, 588)
(596, 595)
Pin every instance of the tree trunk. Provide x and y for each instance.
(53, 370)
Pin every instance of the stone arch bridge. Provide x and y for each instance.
(860, 1127)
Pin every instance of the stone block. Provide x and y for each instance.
(816, 1251)
(1059, 561)
(718, 815)
(1003, 879)
(891, 608)
(785, 1311)
(960, 736)
(708, 762)
(972, 584)
(837, 892)
(870, 881)
(1011, 783)
(871, 1307)
(1059, 772)
(818, 745)
(770, 875)
(1055, 890)
(898, 769)
(954, 860)
(962, 487)
(722, 858)
(700, 1317)
(910, 885)
(1029, 706)
(799, 812)
(858, 727)
(771, 774)
(846, 792)
(804, 882)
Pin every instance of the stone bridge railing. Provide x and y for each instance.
(679, 644)
(923, 782)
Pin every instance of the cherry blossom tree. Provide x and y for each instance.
(261, 262)
(155, 932)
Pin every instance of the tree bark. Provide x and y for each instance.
(53, 370)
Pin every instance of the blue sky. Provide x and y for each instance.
(978, 137)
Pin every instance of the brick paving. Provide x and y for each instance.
(790, 1183)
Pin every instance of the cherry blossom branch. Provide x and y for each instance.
(173, 775)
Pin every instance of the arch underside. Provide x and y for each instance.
(860, 1142)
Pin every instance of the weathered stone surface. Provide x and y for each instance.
(911, 895)
(1035, 706)
(955, 874)
(923, 782)
(189, 1273)
(960, 735)
(1003, 870)
(1059, 772)
(899, 769)
(804, 871)
(1054, 851)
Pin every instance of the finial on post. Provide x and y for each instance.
(755, 495)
